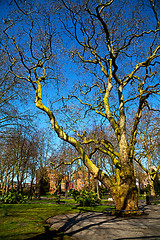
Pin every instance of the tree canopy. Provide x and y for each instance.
(110, 52)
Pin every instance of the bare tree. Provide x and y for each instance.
(147, 147)
(44, 148)
(117, 44)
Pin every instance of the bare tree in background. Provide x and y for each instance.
(148, 148)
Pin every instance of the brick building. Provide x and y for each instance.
(80, 179)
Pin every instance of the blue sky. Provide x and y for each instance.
(3, 8)
(69, 69)
(74, 74)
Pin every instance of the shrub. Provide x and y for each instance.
(13, 197)
(86, 198)
(103, 191)
(74, 193)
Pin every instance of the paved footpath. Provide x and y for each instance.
(100, 226)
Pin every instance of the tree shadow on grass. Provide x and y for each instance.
(50, 235)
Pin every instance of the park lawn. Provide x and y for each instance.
(24, 221)
(53, 200)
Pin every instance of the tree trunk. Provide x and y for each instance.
(125, 197)
(89, 180)
(4, 188)
(30, 195)
(151, 182)
(124, 190)
(66, 188)
(8, 183)
(97, 187)
(76, 180)
(39, 190)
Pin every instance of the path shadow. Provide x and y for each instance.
(91, 223)
(60, 234)
(72, 224)
(141, 238)
(80, 217)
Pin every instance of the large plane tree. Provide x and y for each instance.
(115, 48)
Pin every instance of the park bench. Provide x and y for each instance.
(112, 211)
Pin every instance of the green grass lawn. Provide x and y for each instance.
(27, 221)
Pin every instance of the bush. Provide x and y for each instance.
(74, 193)
(13, 197)
(157, 187)
(103, 191)
(86, 198)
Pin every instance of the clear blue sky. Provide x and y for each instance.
(3, 8)
(68, 69)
